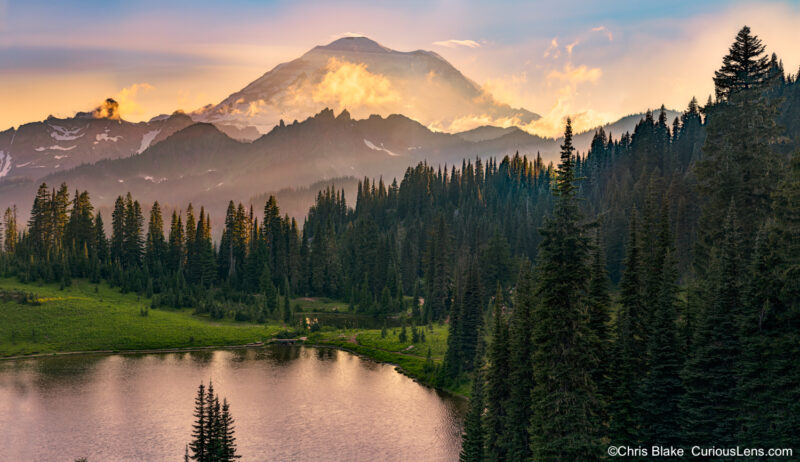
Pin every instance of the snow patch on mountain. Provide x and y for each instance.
(65, 134)
(105, 137)
(5, 163)
(147, 139)
(54, 147)
(381, 148)
(154, 180)
(60, 157)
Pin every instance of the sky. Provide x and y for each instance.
(592, 61)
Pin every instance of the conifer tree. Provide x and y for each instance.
(471, 318)
(474, 437)
(268, 288)
(59, 211)
(190, 234)
(117, 245)
(78, 231)
(629, 349)
(566, 408)
(662, 387)
(40, 224)
(452, 356)
(199, 444)
(744, 67)
(520, 375)
(226, 434)
(10, 230)
(176, 249)
(599, 305)
(132, 234)
(709, 407)
(497, 391)
(739, 159)
(437, 274)
(155, 245)
(100, 240)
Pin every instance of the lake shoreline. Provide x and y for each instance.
(124, 352)
(397, 367)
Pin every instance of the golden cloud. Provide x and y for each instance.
(575, 75)
(348, 84)
(128, 106)
(605, 30)
(453, 43)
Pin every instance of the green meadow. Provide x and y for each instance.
(90, 317)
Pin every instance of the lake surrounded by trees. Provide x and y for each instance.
(289, 403)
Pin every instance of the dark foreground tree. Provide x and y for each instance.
(472, 447)
(213, 437)
(566, 409)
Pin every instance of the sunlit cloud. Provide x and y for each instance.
(347, 85)
(453, 43)
(571, 46)
(552, 51)
(605, 30)
(127, 99)
(575, 75)
(347, 34)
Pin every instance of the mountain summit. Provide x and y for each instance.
(356, 45)
(367, 78)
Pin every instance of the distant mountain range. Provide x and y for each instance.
(216, 154)
(201, 164)
(38, 149)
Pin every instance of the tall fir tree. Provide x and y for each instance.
(745, 67)
(599, 302)
(662, 387)
(739, 158)
(629, 352)
(10, 235)
(709, 407)
(497, 391)
(474, 436)
(155, 245)
(199, 443)
(566, 408)
(117, 245)
(520, 374)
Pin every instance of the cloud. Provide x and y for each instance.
(453, 43)
(348, 85)
(604, 29)
(126, 100)
(552, 51)
(571, 46)
(347, 34)
(576, 75)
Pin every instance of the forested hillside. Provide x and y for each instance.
(644, 292)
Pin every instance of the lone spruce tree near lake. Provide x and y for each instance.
(213, 430)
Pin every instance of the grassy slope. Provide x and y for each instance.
(390, 350)
(78, 319)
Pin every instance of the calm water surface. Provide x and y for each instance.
(290, 404)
